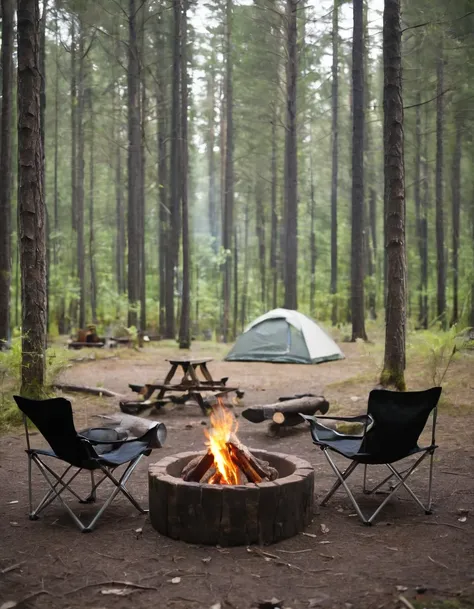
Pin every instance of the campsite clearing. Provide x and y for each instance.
(336, 564)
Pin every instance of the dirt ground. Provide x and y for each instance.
(407, 560)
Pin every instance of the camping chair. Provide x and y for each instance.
(100, 449)
(392, 426)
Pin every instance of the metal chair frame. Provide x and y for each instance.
(60, 482)
(401, 477)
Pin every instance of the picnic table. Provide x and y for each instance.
(195, 380)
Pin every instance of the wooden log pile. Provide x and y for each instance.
(249, 468)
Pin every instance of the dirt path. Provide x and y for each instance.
(349, 567)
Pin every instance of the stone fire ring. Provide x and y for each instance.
(224, 515)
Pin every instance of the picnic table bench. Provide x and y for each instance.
(195, 380)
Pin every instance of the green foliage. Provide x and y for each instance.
(437, 349)
(10, 378)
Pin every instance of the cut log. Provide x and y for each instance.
(197, 472)
(92, 390)
(290, 410)
(240, 460)
(136, 426)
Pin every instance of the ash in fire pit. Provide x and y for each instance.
(230, 495)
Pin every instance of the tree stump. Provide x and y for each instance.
(213, 514)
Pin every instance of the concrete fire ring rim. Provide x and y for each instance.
(262, 513)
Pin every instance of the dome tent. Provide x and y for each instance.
(284, 336)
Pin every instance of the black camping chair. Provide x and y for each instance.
(392, 427)
(100, 449)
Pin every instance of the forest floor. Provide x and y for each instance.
(408, 560)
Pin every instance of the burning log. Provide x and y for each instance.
(287, 412)
(197, 472)
(241, 462)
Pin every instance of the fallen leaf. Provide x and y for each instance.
(117, 591)
(324, 529)
(462, 519)
(14, 524)
(138, 530)
(176, 580)
(215, 606)
(354, 398)
(207, 559)
(9, 605)
(401, 588)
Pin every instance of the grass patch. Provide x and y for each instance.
(452, 603)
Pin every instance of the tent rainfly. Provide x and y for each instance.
(284, 336)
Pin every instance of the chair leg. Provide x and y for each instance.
(31, 514)
(342, 480)
(430, 484)
(119, 487)
(52, 493)
(401, 482)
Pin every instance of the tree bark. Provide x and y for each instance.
(142, 160)
(358, 117)
(80, 179)
(6, 169)
(424, 228)
(335, 160)
(56, 146)
(291, 164)
(73, 121)
(274, 212)
(31, 201)
(93, 283)
(185, 323)
(243, 306)
(394, 361)
(440, 253)
(134, 142)
(417, 197)
(260, 230)
(163, 214)
(456, 211)
(228, 219)
(212, 199)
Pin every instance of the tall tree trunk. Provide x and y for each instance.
(394, 172)
(229, 177)
(185, 323)
(456, 210)
(417, 197)
(56, 142)
(243, 306)
(175, 199)
(119, 212)
(424, 229)
(291, 174)
(274, 212)
(142, 200)
(6, 169)
(80, 179)
(358, 117)
(471, 311)
(235, 316)
(42, 64)
(73, 120)
(163, 211)
(93, 282)
(440, 253)
(31, 201)
(260, 229)
(212, 199)
(134, 143)
(312, 238)
(335, 160)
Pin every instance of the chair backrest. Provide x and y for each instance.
(54, 420)
(399, 419)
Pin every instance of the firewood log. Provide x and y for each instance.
(290, 410)
(240, 460)
(195, 474)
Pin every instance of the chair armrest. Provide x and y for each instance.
(322, 433)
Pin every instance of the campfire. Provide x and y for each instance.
(227, 460)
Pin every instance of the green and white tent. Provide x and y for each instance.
(284, 336)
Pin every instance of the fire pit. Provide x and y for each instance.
(230, 495)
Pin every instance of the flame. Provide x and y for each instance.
(223, 425)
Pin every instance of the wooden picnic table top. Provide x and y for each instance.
(190, 360)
